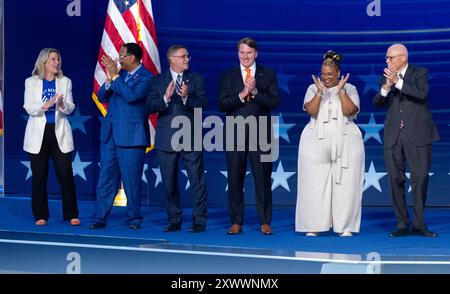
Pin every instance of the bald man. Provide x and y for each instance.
(409, 131)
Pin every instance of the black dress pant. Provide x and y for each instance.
(63, 169)
(261, 171)
(419, 162)
(193, 162)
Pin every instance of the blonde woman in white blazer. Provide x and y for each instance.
(48, 99)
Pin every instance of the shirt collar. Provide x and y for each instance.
(403, 72)
(135, 70)
(252, 67)
(175, 75)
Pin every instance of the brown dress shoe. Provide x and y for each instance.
(235, 229)
(266, 230)
(41, 222)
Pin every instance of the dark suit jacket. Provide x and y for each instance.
(410, 105)
(155, 104)
(267, 97)
(127, 117)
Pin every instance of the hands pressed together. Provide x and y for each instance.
(249, 91)
(111, 67)
(56, 99)
(391, 76)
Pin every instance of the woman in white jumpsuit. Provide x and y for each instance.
(331, 156)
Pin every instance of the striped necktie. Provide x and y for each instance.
(178, 84)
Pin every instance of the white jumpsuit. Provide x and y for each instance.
(330, 167)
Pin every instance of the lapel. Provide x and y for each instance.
(58, 85)
(132, 80)
(259, 74)
(167, 77)
(187, 77)
(39, 86)
(409, 72)
(239, 81)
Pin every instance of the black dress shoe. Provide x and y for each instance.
(172, 227)
(134, 226)
(95, 226)
(423, 232)
(399, 233)
(197, 228)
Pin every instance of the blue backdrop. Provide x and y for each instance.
(292, 37)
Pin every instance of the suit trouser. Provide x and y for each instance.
(262, 171)
(419, 162)
(120, 163)
(63, 169)
(193, 162)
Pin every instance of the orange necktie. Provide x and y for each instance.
(249, 74)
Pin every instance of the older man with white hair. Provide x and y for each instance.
(409, 131)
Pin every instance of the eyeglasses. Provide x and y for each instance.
(123, 56)
(392, 57)
(185, 56)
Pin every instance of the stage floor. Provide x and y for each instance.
(61, 248)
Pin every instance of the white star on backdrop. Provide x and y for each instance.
(284, 79)
(372, 81)
(79, 166)
(187, 183)
(372, 129)
(281, 129)
(280, 177)
(29, 173)
(408, 175)
(372, 178)
(144, 177)
(77, 121)
(157, 172)
(225, 174)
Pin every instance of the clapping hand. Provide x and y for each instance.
(250, 84)
(391, 76)
(343, 81)
(319, 84)
(169, 91)
(184, 90)
(110, 66)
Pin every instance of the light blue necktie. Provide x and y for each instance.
(128, 77)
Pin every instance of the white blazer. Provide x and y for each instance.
(34, 132)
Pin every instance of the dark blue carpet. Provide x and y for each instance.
(15, 216)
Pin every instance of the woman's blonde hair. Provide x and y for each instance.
(39, 66)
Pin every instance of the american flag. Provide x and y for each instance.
(128, 21)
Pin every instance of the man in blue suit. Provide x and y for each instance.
(174, 95)
(124, 134)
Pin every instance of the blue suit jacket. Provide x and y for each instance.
(155, 104)
(127, 117)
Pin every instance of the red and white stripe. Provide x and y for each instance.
(123, 28)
